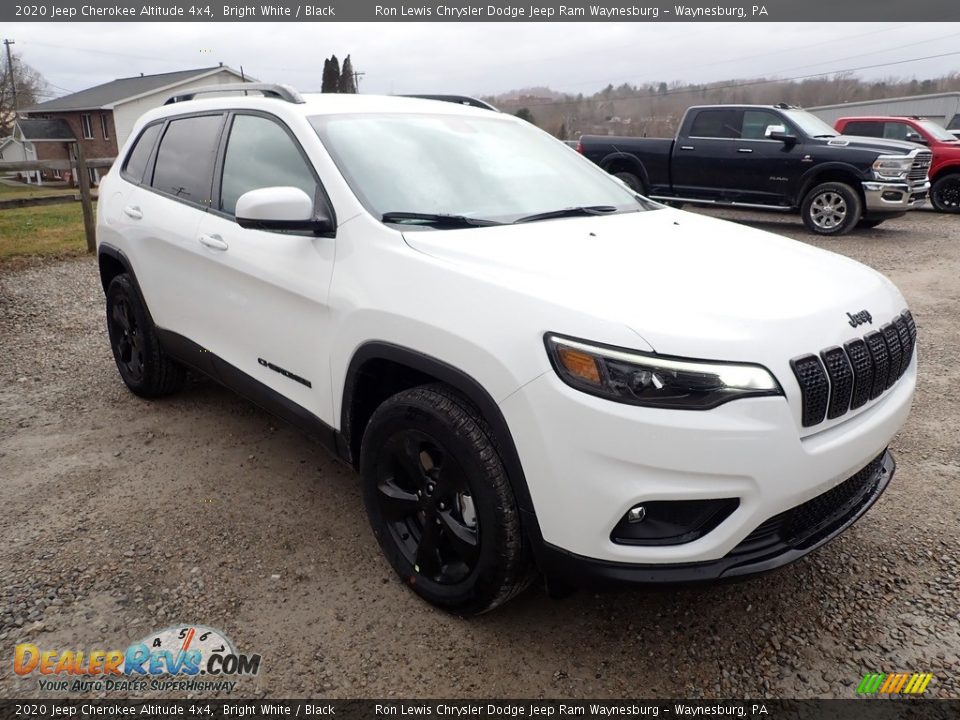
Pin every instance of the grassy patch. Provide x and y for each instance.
(43, 230)
(11, 192)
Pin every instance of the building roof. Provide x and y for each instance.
(36, 130)
(109, 94)
(881, 101)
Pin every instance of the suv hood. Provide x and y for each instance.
(879, 145)
(689, 285)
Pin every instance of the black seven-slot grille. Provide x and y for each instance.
(843, 379)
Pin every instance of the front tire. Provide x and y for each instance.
(144, 367)
(945, 194)
(831, 209)
(440, 503)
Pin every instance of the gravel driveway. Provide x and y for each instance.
(123, 516)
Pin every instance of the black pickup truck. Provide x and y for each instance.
(771, 157)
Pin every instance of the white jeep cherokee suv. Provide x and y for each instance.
(531, 366)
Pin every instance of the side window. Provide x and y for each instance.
(184, 166)
(864, 129)
(261, 154)
(716, 124)
(139, 155)
(756, 122)
(954, 123)
(896, 130)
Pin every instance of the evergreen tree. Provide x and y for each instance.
(331, 75)
(348, 81)
(525, 114)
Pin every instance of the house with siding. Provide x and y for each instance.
(102, 117)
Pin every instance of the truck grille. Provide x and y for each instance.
(921, 166)
(843, 379)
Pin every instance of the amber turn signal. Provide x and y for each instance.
(579, 364)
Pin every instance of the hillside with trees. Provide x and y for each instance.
(655, 109)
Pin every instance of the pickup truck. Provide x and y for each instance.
(945, 169)
(771, 157)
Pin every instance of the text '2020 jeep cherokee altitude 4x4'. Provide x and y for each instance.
(530, 365)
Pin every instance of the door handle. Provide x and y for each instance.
(686, 147)
(133, 211)
(744, 150)
(214, 242)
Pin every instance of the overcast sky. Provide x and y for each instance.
(486, 58)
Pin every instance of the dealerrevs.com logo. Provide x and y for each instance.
(182, 657)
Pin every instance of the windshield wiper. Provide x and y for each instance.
(826, 136)
(569, 212)
(436, 219)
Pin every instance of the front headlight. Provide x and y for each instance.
(892, 167)
(651, 380)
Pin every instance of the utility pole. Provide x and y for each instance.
(13, 80)
(356, 79)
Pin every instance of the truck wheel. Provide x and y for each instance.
(440, 503)
(631, 180)
(945, 194)
(831, 208)
(145, 368)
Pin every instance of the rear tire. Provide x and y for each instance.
(144, 367)
(440, 503)
(945, 194)
(831, 209)
(632, 181)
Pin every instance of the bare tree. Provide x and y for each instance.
(32, 88)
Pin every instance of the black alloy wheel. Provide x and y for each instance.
(426, 501)
(144, 366)
(945, 194)
(440, 502)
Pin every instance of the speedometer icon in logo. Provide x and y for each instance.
(189, 650)
(190, 637)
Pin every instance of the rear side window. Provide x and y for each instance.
(716, 124)
(184, 166)
(139, 156)
(865, 129)
(260, 153)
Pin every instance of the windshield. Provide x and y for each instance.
(810, 125)
(481, 168)
(935, 131)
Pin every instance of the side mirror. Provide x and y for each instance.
(783, 136)
(915, 137)
(280, 208)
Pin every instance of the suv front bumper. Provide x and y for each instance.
(779, 541)
(588, 460)
(891, 197)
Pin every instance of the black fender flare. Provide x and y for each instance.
(117, 255)
(812, 177)
(460, 381)
(634, 162)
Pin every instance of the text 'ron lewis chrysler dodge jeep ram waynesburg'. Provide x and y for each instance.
(531, 366)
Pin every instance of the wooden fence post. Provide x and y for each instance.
(86, 199)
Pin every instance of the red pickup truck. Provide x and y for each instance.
(945, 170)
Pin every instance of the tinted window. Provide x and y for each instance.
(897, 130)
(954, 123)
(716, 124)
(140, 154)
(184, 166)
(756, 122)
(866, 129)
(261, 154)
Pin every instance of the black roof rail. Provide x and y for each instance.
(271, 90)
(458, 99)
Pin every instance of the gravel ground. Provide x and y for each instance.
(125, 516)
